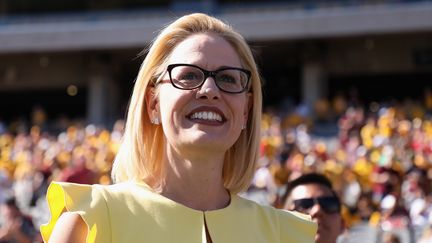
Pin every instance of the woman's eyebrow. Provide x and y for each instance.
(222, 67)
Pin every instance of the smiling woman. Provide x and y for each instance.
(190, 146)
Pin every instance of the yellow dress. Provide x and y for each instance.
(131, 212)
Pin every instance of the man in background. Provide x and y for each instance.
(313, 194)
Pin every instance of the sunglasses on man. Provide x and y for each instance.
(329, 205)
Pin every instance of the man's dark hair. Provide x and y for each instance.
(311, 178)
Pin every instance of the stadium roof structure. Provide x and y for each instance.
(135, 28)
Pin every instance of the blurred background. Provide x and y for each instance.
(347, 92)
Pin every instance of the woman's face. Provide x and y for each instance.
(205, 118)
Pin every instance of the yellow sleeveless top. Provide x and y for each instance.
(130, 212)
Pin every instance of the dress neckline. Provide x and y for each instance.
(172, 203)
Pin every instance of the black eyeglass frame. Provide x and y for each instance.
(207, 74)
(321, 201)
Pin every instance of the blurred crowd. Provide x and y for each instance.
(379, 160)
(30, 160)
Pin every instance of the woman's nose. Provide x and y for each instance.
(208, 90)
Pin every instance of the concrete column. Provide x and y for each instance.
(113, 103)
(96, 101)
(314, 83)
(102, 100)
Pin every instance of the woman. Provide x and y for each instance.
(189, 147)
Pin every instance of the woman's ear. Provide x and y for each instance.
(152, 105)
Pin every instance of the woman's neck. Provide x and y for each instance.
(195, 182)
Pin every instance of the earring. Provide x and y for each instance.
(155, 121)
(244, 127)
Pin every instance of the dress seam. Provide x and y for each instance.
(108, 212)
(278, 226)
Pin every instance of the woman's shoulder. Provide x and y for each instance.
(111, 189)
(100, 206)
(293, 226)
(87, 199)
(74, 191)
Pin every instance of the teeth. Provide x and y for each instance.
(206, 115)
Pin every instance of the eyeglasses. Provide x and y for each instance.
(228, 79)
(329, 205)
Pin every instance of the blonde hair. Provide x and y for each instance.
(140, 155)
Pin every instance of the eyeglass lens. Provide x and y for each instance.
(328, 204)
(189, 77)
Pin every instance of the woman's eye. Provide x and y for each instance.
(227, 79)
(189, 76)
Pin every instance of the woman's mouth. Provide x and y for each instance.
(206, 115)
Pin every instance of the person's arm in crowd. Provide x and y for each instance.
(13, 231)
